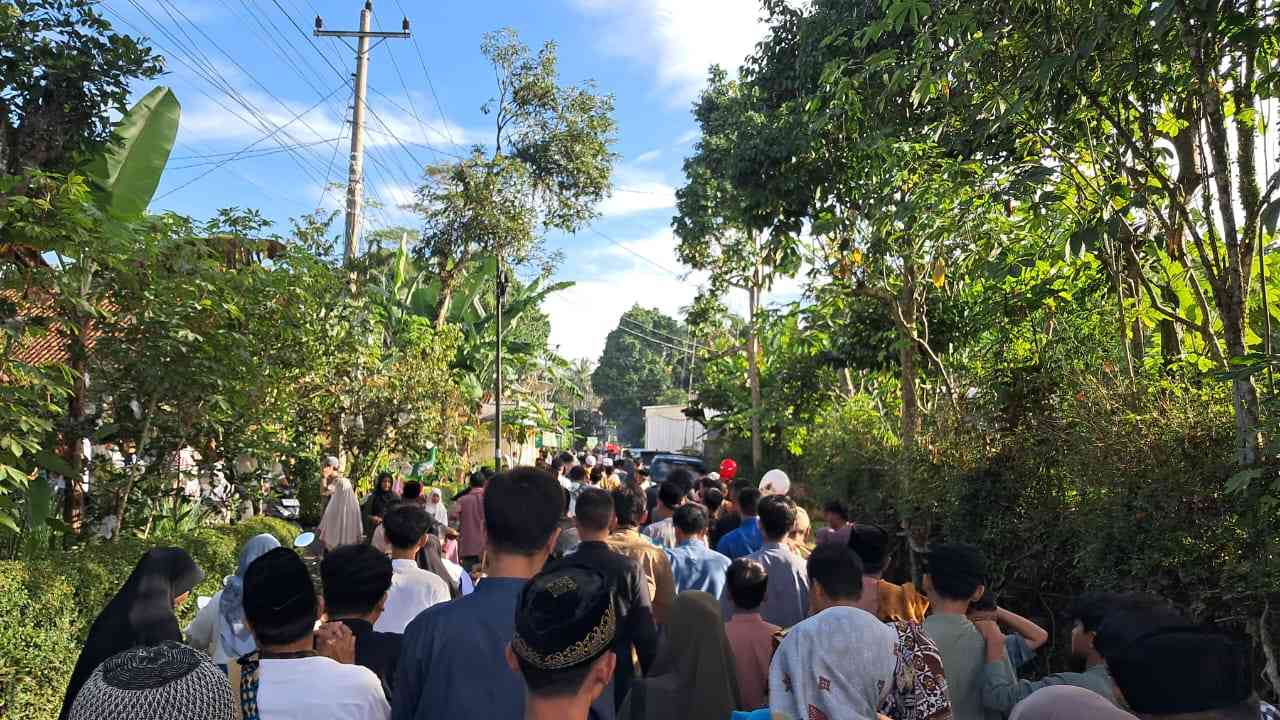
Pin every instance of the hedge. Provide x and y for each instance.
(47, 605)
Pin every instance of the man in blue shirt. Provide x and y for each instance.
(747, 538)
(786, 601)
(694, 565)
(453, 665)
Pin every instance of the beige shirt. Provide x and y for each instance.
(653, 561)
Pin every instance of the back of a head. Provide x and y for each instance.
(478, 479)
(749, 501)
(279, 598)
(671, 493)
(594, 509)
(747, 582)
(777, 516)
(838, 570)
(690, 519)
(522, 510)
(170, 680)
(629, 504)
(684, 479)
(566, 458)
(956, 570)
(1184, 671)
(871, 544)
(412, 490)
(578, 474)
(1091, 608)
(713, 498)
(406, 525)
(837, 508)
(355, 578)
(565, 621)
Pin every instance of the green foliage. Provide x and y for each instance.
(64, 70)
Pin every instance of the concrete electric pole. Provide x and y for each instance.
(355, 179)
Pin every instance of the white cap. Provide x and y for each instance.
(591, 461)
(332, 462)
(608, 462)
(713, 476)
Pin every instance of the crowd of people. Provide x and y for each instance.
(578, 589)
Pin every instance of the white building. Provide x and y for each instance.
(667, 429)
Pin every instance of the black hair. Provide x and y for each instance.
(630, 505)
(384, 475)
(355, 578)
(594, 509)
(555, 683)
(566, 458)
(837, 569)
(683, 478)
(747, 581)
(960, 573)
(280, 615)
(837, 508)
(739, 485)
(578, 474)
(670, 493)
(522, 510)
(479, 479)
(871, 544)
(406, 525)
(777, 516)
(412, 490)
(713, 498)
(748, 500)
(690, 519)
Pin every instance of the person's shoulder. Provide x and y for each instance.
(344, 679)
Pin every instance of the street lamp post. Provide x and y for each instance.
(497, 380)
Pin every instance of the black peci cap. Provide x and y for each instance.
(1176, 670)
(565, 619)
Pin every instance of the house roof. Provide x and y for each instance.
(40, 348)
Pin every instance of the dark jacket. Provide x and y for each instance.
(636, 627)
(378, 651)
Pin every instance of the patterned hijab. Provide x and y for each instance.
(838, 663)
(236, 639)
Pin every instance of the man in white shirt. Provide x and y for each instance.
(412, 588)
(294, 682)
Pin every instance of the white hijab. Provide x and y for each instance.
(840, 662)
(437, 511)
(341, 524)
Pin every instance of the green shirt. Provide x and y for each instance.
(964, 662)
(1001, 693)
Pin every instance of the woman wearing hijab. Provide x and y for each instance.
(140, 615)
(341, 522)
(435, 507)
(1067, 702)
(693, 676)
(219, 627)
(431, 559)
(379, 502)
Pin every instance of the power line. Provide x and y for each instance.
(625, 329)
(427, 74)
(654, 263)
(689, 343)
(210, 158)
(249, 147)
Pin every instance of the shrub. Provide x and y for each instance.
(47, 605)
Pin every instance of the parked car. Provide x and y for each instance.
(663, 464)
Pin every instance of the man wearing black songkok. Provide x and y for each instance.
(563, 645)
(1164, 670)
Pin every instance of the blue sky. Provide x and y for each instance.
(233, 56)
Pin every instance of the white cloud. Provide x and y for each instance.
(680, 39)
(689, 137)
(648, 157)
(637, 190)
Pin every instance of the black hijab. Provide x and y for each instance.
(140, 615)
(429, 559)
(380, 501)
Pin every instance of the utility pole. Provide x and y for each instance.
(503, 284)
(355, 178)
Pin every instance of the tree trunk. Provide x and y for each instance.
(753, 371)
(73, 506)
(1170, 332)
(908, 358)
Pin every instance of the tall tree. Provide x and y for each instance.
(716, 228)
(548, 167)
(641, 365)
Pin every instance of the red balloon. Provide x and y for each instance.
(728, 470)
